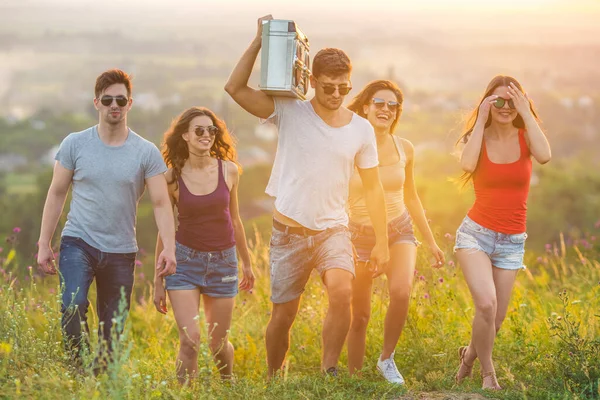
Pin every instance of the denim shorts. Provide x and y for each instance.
(506, 251)
(400, 230)
(215, 273)
(293, 257)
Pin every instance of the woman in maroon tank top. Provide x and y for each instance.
(501, 136)
(202, 181)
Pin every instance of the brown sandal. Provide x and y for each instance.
(462, 352)
(491, 374)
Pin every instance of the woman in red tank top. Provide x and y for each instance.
(501, 136)
(202, 181)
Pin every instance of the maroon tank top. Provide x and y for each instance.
(204, 220)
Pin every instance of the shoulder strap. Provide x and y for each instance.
(399, 147)
(525, 151)
(224, 164)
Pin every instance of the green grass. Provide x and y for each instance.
(21, 183)
(547, 349)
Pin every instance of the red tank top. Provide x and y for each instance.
(501, 191)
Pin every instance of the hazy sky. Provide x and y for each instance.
(571, 20)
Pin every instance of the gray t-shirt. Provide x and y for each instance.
(108, 182)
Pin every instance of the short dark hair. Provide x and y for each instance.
(111, 77)
(331, 62)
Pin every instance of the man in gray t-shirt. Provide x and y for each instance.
(109, 166)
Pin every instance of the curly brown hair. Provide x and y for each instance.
(365, 96)
(175, 149)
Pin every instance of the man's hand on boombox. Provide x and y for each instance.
(261, 21)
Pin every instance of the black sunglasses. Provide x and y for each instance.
(499, 103)
(330, 89)
(121, 100)
(379, 103)
(212, 130)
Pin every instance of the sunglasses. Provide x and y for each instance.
(330, 89)
(212, 130)
(499, 103)
(121, 100)
(379, 103)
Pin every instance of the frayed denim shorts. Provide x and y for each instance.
(506, 251)
(400, 230)
(214, 273)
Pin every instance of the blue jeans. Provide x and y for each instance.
(79, 264)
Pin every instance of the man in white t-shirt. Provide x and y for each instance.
(320, 143)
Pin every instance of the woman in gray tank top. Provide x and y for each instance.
(380, 102)
(202, 181)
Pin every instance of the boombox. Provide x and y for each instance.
(285, 62)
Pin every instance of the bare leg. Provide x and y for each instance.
(361, 313)
(477, 269)
(218, 316)
(337, 321)
(185, 305)
(504, 280)
(278, 334)
(400, 274)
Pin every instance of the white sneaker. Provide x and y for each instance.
(389, 370)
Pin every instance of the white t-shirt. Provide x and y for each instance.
(314, 163)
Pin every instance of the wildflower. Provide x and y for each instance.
(540, 259)
(16, 229)
(451, 263)
(597, 224)
(5, 348)
(196, 318)
(422, 278)
(2, 248)
(141, 275)
(416, 272)
(571, 354)
(29, 267)
(448, 236)
(426, 296)
(593, 239)
(51, 291)
(138, 263)
(441, 280)
(548, 247)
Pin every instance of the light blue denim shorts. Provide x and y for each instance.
(214, 273)
(294, 256)
(506, 251)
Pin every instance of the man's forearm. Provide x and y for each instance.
(166, 225)
(52, 210)
(376, 206)
(241, 73)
